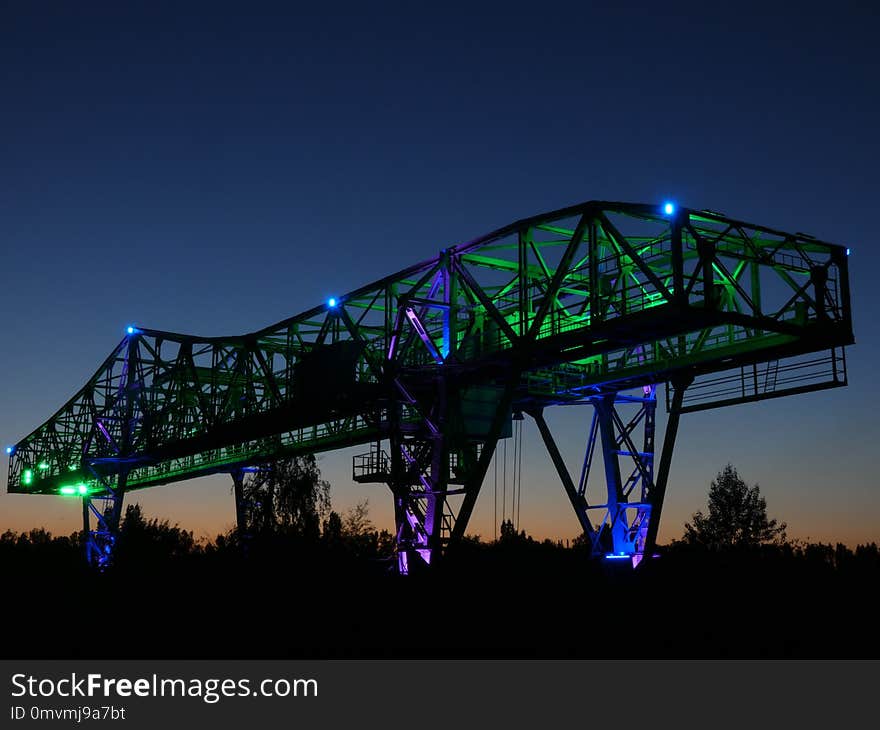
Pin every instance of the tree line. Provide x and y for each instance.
(288, 503)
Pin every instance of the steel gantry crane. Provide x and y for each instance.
(596, 304)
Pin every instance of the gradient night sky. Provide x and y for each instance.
(215, 168)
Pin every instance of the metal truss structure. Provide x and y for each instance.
(596, 304)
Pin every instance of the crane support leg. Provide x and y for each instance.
(678, 388)
(616, 523)
(577, 499)
(101, 542)
(436, 475)
(240, 511)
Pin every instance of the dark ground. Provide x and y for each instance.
(517, 600)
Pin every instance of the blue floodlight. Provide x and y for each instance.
(669, 208)
(847, 252)
(331, 302)
(10, 449)
(130, 330)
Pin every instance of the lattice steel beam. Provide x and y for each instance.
(564, 307)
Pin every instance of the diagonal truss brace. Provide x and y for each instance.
(622, 523)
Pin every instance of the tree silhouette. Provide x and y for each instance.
(354, 533)
(332, 531)
(361, 538)
(356, 521)
(287, 496)
(142, 539)
(508, 533)
(737, 516)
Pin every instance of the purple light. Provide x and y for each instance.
(104, 431)
(423, 335)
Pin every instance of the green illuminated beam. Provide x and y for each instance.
(245, 393)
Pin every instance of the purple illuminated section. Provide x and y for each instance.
(421, 537)
(392, 347)
(423, 334)
(411, 462)
(104, 431)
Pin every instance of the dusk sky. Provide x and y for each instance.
(213, 168)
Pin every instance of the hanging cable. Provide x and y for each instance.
(504, 484)
(519, 470)
(495, 513)
(513, 469)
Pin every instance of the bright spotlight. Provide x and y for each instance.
(669, 208)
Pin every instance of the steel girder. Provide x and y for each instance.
(571, 306)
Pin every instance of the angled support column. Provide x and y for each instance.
(659, 492)
(241, 522)
(617, 522)
(616, 500)
(100, 542)
(577, 499)
(238, 492)
(473, 481)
